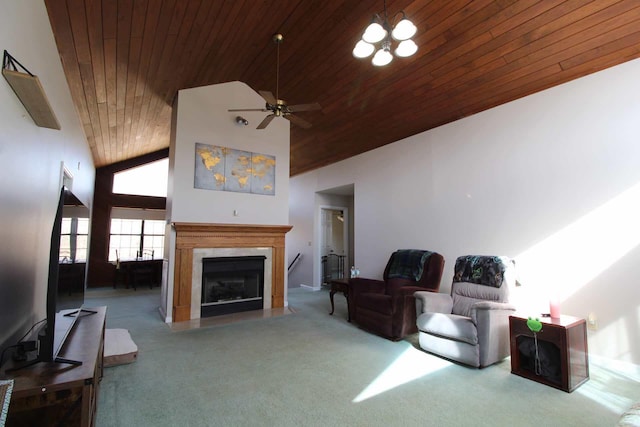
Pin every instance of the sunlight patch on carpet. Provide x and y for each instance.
(599, 388)
(409, 366)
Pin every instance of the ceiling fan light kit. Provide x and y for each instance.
(277, 106)
(380, 31)
(242, 121)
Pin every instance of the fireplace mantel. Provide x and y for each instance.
(200, 235)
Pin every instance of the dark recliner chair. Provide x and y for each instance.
(387, 307)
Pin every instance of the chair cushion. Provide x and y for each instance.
(459, 328)
(380, 303)
(465, 295)
(482, 270)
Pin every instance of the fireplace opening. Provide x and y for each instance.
(232, 284)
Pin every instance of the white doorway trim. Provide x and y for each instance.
(319, 239)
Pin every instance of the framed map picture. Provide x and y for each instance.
(226, 169)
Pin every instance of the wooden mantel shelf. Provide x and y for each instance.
(196, 227)
(201, 235)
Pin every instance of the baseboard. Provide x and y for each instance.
(163, 315)
(302, 285)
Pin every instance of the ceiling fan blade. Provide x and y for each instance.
(304, 107)
(263, 124)
(298, 121)
(268, 96)
(249, 109)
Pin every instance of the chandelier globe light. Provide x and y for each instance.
(406, 48)
(404, 29)
(382, 56)
(380, 34)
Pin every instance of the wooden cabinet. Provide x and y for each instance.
(71, 278)
(562, 357)
(61, 394)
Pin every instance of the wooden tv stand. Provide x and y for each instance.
(58, 393)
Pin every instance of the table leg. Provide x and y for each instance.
(346, 295)
(331, 298)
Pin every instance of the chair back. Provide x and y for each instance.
(481, 278)
(414, 267)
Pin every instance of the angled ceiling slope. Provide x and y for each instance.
(126, 60)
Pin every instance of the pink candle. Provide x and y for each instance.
(554, 308)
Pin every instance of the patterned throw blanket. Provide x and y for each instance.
(483, 270)
(408, 264)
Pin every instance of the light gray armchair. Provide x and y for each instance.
(471, 325)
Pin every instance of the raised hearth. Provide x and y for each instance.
(195, 241)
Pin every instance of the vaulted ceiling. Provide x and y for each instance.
(125, 60)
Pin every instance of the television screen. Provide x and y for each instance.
(67, 272)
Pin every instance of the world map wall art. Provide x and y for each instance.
(227, 169)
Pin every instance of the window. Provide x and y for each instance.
(146, 180)
(74, 237)
(132, 239)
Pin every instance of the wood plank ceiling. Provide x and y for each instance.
(125, 60)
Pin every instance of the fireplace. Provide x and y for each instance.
(232, 284)
(195, 241)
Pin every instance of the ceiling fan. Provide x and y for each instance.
(279, 107)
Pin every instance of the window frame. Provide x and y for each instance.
(141, 252)
(73, 235)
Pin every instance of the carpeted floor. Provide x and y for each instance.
(313, 369)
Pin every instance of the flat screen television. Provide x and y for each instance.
(67, 275)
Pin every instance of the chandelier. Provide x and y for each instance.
(380, 34)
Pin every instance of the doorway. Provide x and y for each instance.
(333, 225)
(334, 242)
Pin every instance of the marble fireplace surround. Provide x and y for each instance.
(196, 240)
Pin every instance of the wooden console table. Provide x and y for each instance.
(61, 394)
(566, 337)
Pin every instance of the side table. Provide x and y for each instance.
(563, 360)
(340, 285)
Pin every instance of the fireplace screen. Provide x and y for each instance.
(232, 284)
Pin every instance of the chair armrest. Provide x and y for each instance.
(403, 296)
(484, 311)
(358, 285)
(407, 290)
(492, 325)
(433, 302)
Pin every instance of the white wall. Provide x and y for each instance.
(301, 237)
(202, 117)
(30, 168)
(548, 179)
